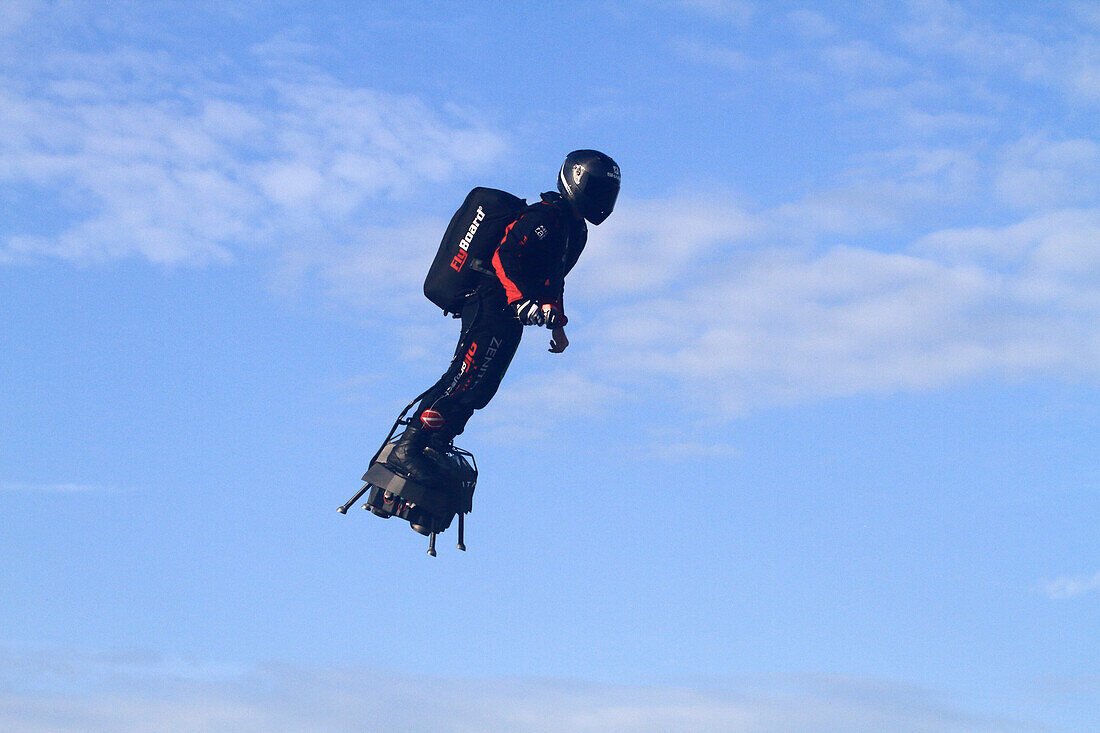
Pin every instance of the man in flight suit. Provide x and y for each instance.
(529, 267)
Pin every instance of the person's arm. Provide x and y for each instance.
(519, 263)
(558, 341)
(515, 256)
(578, 237)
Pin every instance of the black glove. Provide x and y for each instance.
(529, 313)
(552, 317)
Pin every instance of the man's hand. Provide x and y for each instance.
(529, 313)
(558, 341)
(553, 317)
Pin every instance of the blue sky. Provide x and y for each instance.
(821, 454)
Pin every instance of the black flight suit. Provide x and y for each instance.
(538, 250)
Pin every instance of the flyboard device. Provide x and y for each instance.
(429, 508)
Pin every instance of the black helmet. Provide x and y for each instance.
(591, 181)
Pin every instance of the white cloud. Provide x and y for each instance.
(14, 14)
(863, 59)
(728, 309)
(787, 328)
(646, 245)
(383, 268)
(44, 488)
(1038, 172)
(1085, 80)
(738, 12)
(1061, 56)
(781, 325)
(1068, 587)
(710, 54)
(144, 155)
(54, 691)
(1059, 247)
(665, 451)
(528, 407)
(811, 23)
(941, 69)
(928, 109)
(943, 27)
(880, 191)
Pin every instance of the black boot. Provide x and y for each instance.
(407, 457)
(438, 448)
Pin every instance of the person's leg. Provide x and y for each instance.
(447, 383)
(491, 335)
(488, 341)
(408, 456)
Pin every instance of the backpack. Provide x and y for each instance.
(468, 245)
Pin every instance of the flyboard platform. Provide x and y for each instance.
(429, 508)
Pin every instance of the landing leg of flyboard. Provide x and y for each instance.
(400, 421)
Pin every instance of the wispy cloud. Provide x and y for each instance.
(139, 154)
(737, 12)
(1067, 587)
(47, 488)
(665, 452)
(1038, 172)
(885, 278)
(968, 58)
(530, 406)
(14, 14)
(811, 24)
(647, 245)
(716, 55)
(864, 60)
(1054, 55)
(783, 324)
(384, 265)
(1058, 248)
(901, 187)
(54, 691)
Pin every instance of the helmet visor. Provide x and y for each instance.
(600, 192)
